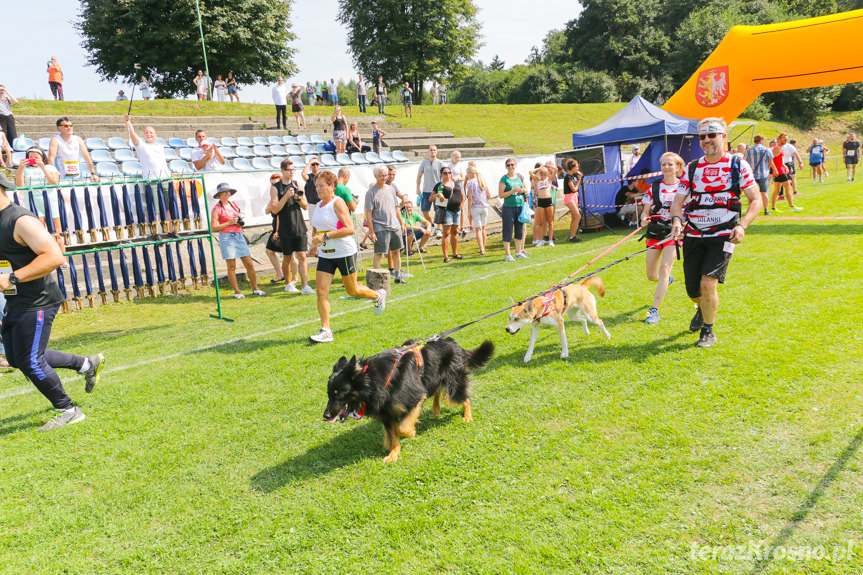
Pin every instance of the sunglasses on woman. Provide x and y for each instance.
(510, 165)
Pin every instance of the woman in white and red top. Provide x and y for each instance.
(225, 219)
(661, 258)
(334, 245)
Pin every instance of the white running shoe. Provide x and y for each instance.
(539, 243)
(307, 290)
(258, 292)
(381, 302)
(291, 288)
(551, 243)
(323, 336)
(239, 296)
(522, 255)
(509, 258)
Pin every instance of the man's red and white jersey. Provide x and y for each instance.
(713, 186)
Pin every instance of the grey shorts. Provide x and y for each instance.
(762, 184)
(387, 241)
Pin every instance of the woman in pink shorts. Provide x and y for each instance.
(571, 183)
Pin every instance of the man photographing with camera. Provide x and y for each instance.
(28, 255)
(287, 201)
(711, 189)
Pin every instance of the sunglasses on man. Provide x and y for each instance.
(711, 135)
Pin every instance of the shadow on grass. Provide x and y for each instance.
(811, 227)
(802, 512)
(357, 444)
(74, 340)
(253, 344)
(17, 423)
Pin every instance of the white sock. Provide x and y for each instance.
(69, 409)
(85, 367)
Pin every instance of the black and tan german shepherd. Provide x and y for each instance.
(393, 385)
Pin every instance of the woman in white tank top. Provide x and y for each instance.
(334, 245)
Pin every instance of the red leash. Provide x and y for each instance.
(588, 264)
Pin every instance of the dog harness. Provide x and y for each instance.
(546, 304)
(400, 352)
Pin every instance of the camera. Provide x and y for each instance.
(241, 222)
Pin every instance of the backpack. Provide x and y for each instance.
(733, 204)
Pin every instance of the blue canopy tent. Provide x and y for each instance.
(638, 121)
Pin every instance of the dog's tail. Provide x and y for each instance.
(596, 282)
(480, 356)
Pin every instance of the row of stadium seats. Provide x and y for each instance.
(21, 143)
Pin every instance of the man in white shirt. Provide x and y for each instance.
(280, 99)
(151, 155)
(361, 94)
(334, 92)
(636, 155)
(206, 157)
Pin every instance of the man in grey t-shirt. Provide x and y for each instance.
(384, 223)
(428, 176)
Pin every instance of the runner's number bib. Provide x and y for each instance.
(71, 168)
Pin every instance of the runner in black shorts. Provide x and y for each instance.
(711, 190)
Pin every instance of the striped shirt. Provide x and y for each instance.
(759, 158)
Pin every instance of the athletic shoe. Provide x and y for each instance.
(438, 233)
(781, 197)
(91, 376)
(670, 279)
(796, 209)
(766, 212)
(539, 244)
(275, 281)
(400, 279)
(258, 292)
(652, 316)
(574, 240)
(522, 255)
(323, 336)
(307, 290)
(697, 320)
(551, 243)
(239, 296)
(61, 418)
(707, 339)
(291, 288)
(381, 302)
(509, 258)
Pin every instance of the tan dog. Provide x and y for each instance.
(573, 301)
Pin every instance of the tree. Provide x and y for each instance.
(247, 37)
(411, 40)
(497, 64)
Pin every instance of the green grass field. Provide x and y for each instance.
(204, 450)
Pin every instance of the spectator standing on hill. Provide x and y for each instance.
(571, 184)
(478, 195)
(121, 96)
(280, 100)
(144, 88)
(65, 151)
(310, 93)
(513, 191)
(334, 92)
(150, 153)
(759, 158)
(850, 153)
(361, 94)
(428, 176)
(201, 85)
(7, 119)
(384, 223)
(232, 87)
(435, 94)
(381, 94)
(55, 78)
(296, 95)
(377, 137)
(407, 100)
(221, 88)
(287, 201)
(319, 99)
(792, 161)
(206, 157)
(334, 245)
(310, 176)
(325, 93)
(31, 255)
(227, 220)
(340, 130)
(442, 89)
(714, 226)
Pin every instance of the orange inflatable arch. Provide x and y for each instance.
(737, 72)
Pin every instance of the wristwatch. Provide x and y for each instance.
(13, 279)
(326, 237)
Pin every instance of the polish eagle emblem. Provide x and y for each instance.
(712, 86)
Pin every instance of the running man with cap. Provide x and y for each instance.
(711, 188)
(28, 255)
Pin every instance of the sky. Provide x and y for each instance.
(508, 30)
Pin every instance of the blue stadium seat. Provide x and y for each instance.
(316, 139)
(107, 170)
(124, 155)
(259, 141)
(298, 161)
(171, 154)
(303, 139)
(228, 153)
(328, 160)
(387, 157)
(289, 140)
(180, 167)
(244, 152)
(177, 143)
(45, 143)
(244, 141)
(399, 156)
(242, 164)
(344, 160)
(373, 158)
(276, 162)
(275, 140)
(95, 144)
(191, 142)
(293, 149)
(307, 149)
(161, 141)
(261, 151)
(101, 156)
(131, 169)
(117, 143)
(260, 164)
(17, 157)
(185, 153)
(320, 148)
(277, 150)
(228, 141)
(358, 158)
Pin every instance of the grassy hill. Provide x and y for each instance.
(525, 128)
